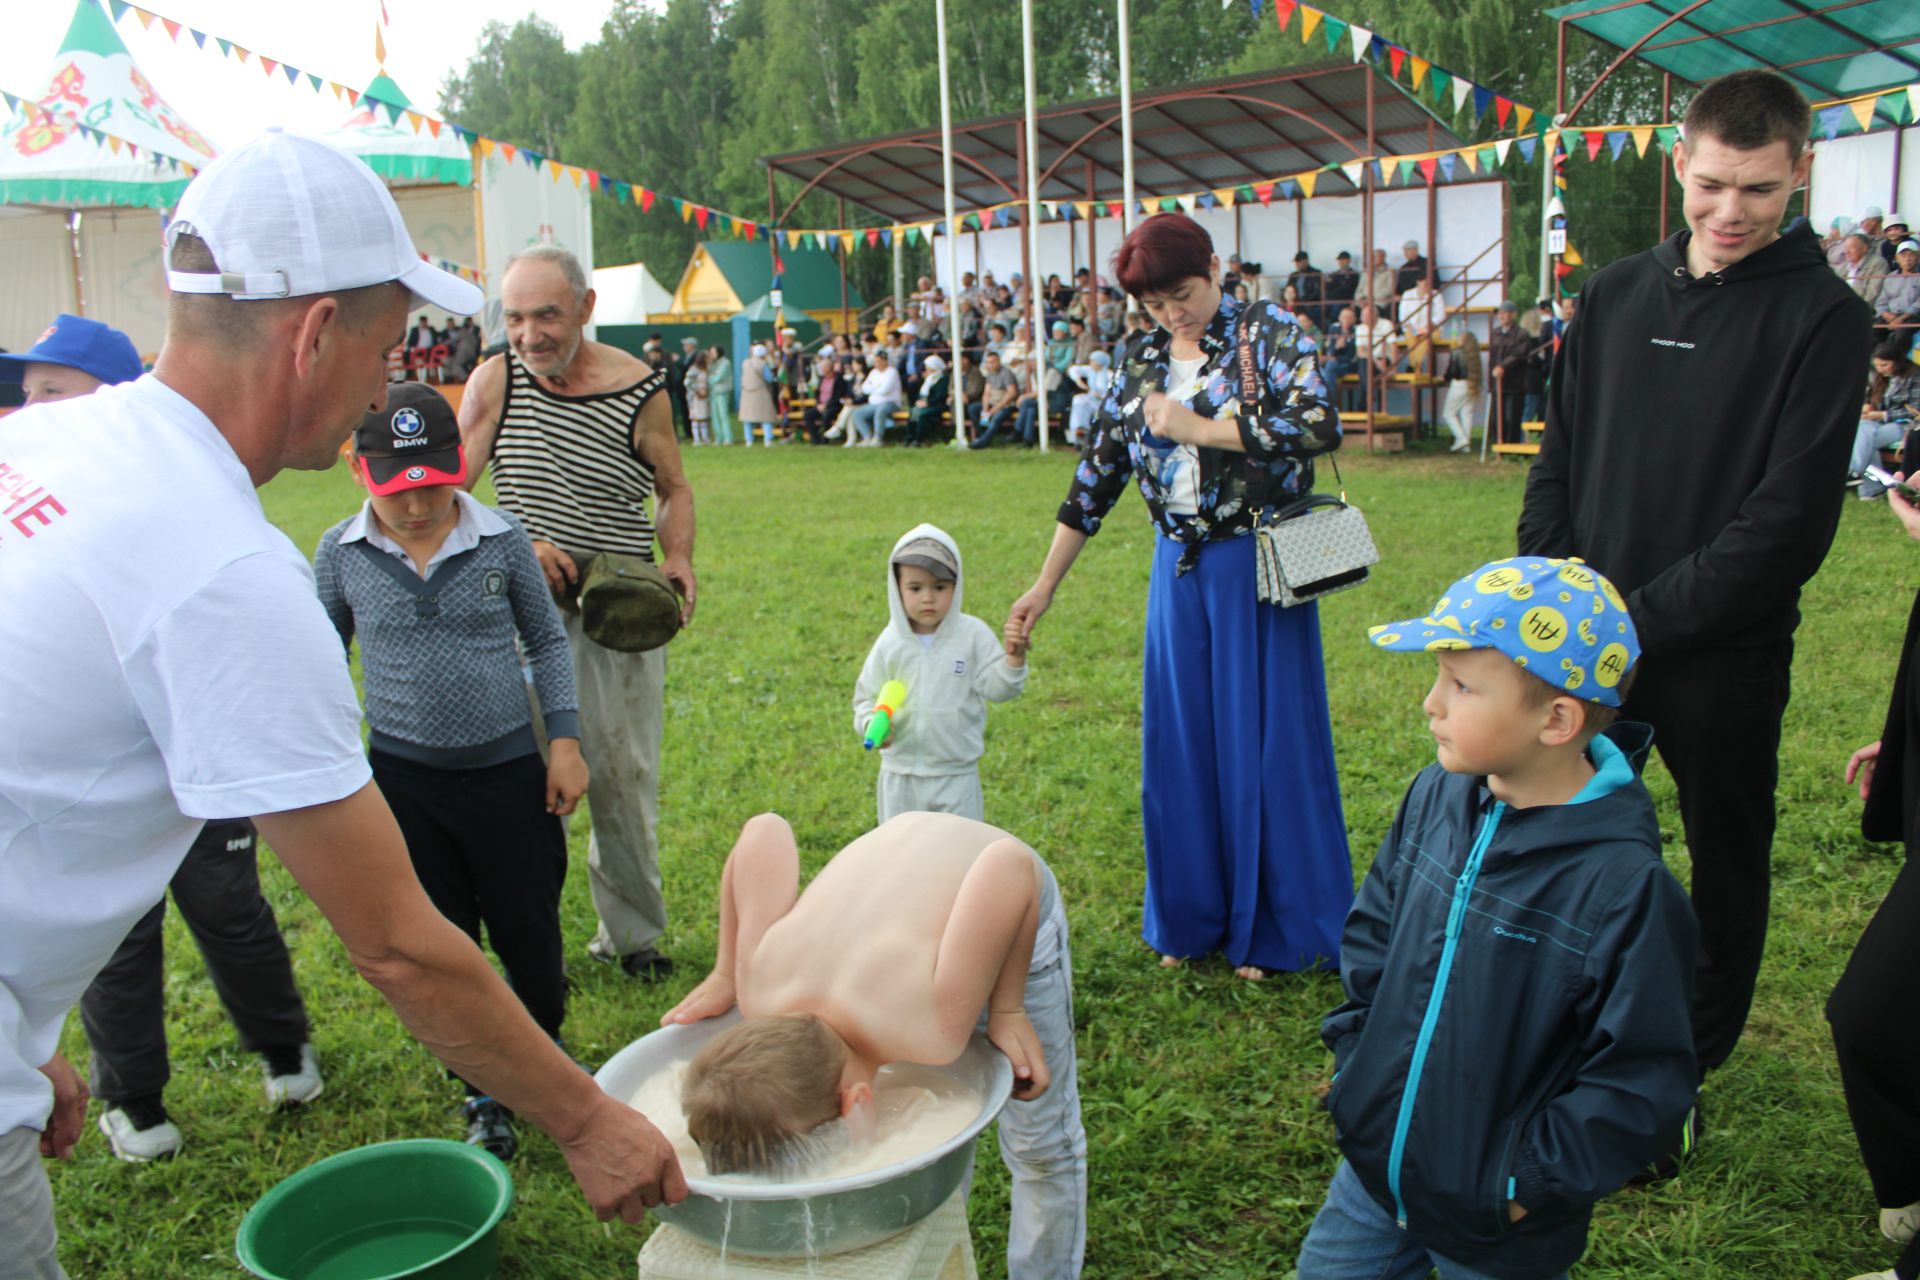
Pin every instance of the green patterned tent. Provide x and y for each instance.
(378, 132)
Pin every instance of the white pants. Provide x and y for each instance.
(957, 793)
(1458, 413)
(26, 1208)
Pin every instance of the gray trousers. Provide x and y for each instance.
(621, 698)
(217, 890)
(26, 1210)
(1042, 1142)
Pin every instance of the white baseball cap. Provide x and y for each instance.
(1872, 211)
(290, 217)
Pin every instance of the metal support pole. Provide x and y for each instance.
(73, 251)
(844, 254)
(1666, 176)
(899, 271)
(1369, 382)
(1030, 179)
(1128, 209)
(1548, 144)
(956, 384)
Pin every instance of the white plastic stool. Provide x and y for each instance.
(940, 1247)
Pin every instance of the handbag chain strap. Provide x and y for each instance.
(1251, 393)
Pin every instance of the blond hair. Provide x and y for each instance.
(756, 1090)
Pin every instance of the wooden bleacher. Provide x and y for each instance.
(1527, 449)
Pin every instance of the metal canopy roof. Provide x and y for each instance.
(1216, 133)
(1829, 48)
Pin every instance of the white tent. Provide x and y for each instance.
(628, 295)
(85, 173)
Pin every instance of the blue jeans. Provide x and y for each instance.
(1028, 421)
(995, 420)
(1352, 1238)
(870, 421)
(1868, 439)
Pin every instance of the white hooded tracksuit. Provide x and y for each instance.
(939, 731)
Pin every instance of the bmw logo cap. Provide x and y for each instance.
(412, 443)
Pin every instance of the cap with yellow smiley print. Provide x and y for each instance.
(1558, 619)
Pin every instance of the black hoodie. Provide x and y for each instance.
(1697, 437)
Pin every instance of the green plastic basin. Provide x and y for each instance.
(422, 1208)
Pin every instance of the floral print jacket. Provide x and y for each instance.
(1293, 422)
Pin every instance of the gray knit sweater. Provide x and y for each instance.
(444, 684)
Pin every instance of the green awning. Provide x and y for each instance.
(1829, 48)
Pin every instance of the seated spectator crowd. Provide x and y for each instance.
(1879, 258)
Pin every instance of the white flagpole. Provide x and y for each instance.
(1130, 213)
(956, 384)
(1036, 299)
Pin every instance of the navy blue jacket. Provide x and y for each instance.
(1516, 1027)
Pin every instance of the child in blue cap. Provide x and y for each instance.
(1518, 966)
(73, 357)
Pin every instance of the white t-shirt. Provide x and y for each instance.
(1376, 336)
(1180, 471)
(166, 662)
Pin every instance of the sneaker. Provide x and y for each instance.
(1901, 1225)
(139, 1131)
(1668, 1166)
(293, 1075)
(490, 1128)
(1853, 479)
(647, 964)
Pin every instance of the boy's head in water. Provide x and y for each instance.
(758, 1095)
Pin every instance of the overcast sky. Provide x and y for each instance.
(230, 102)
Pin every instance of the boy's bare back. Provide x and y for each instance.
(899, 942)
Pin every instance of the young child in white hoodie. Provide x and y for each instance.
(952, 665)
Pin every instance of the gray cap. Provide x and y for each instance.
(1506, 304)
(932, 555)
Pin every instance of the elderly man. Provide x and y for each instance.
(1508, 350)
(169, 663)
(1899, 307)
(580, 438)
(1864, 270)
(1377, 283)
(1873, 225)
(1413, 269)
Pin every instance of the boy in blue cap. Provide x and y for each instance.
(73, 357)
(1518, 966)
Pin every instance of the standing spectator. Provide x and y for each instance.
(1413, 270)
(720, 394)
(1864, 270)
(541, 413)
(1308, 287)
(1899, 306)
(758, 384)
(1538, 326)
(1377, 286)
(1744, 500)
(1463, 388)
(1507, 355)
(698, 415)
(1342, 283)
(670, 364)
(1871, 1009)
(1245, 844)
(999, 400)
(884, 394)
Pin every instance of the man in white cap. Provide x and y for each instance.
(1873, 226)
(168, 662)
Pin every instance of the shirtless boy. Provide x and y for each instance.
(906, 941)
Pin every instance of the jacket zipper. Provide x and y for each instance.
(1456, 914)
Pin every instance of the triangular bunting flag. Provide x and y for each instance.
(267, 64)
(1462, 90)
(1471, 158)
(1362, 40)
(1113, 208)
(1226, 196)
(433, 126)
(315, 81)
(1502, 108)
(1187, 203)
(1396, 58)
(1446, 166)
(886, 237)
(1401, 170)
(1863, 112)
(1169, 203)
(1052, 207)
(1482, 99)
(1264, 190)
(700, 215)
(1335, 31)
(292, 73)
(1352, 170)
(595, 181)
(1641, 136)
(119, 7)
(1307, 181)
(242, 54)
(824, 240)
(1254, 5)
(1427, 166)
(226, 46)
(1309, 22)
(199, 38)
(1438, 84)
(1420, 69)
(1206, 201)
(394, 111)
(873, 237)
(1595, 141)
(113, 144)
(646, 198)
(146, 19)
(1617, 142)
(1283, 11)
(846, 242)
(1664, 136)
(173, 29)
(554, 172)
(353, 99)
(684, 209)
(1521, 117)
(1830, 119)
(1491, 156)
(1528, 145)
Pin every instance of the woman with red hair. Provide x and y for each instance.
(1246, 846)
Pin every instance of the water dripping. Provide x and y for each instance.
(806, 1219)
(726, 1230)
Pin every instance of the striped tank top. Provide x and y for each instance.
(566, 465)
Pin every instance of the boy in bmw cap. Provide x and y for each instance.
(439, 589)
(1518, 966)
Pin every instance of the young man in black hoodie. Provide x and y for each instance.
(1698, 427)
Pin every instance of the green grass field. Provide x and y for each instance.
(1210, 1151)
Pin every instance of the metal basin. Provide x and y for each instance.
(835, 1215)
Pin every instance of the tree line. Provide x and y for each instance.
(686, 96)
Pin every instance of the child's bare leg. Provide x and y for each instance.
(759, 884)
